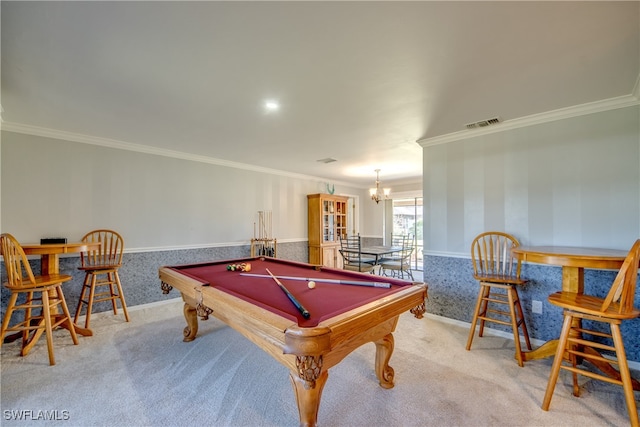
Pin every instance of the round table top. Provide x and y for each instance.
(569, 256)
(58, 248)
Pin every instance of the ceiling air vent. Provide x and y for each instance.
(327, 160)
(484, 123)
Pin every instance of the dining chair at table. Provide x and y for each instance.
(399, 240)
(400, 263)
(42, 297)
(102, 282)
(616, 307)
(352, 257)
(498, 274)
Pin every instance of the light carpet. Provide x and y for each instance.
(142, 374)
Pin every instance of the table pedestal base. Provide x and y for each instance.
(32, 341)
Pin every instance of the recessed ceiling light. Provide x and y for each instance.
(271, 105)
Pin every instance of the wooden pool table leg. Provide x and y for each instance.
(191, 330)
(384, 372)
(308, 397)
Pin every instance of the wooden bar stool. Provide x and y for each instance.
(574, 339)
(498, 275)
(101, 273)
(40, 312)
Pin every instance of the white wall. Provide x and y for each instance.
(571, 182)
(52, 187)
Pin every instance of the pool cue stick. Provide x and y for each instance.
(321, 280)
(293, 299)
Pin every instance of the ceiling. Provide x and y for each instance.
(359, 82)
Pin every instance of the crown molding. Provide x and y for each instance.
(535, 119)
(121, 145)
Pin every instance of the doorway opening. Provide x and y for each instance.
(407, 220)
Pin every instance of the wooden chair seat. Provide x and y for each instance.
(578, 343)
(588, 304)
(43, 299)
(501, 278)
(99, 268)
(48, 281)
(102, 281)
(498, 275)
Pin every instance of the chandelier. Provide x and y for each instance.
(375, 193)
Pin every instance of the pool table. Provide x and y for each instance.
(341, 317)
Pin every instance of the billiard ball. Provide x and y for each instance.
(311, 284)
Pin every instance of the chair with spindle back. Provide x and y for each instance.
(43, 296)
(616, 307)
(498, 275)
(101, 273)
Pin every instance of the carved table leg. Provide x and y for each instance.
(384, 372)
(191, 330)
(308, 397)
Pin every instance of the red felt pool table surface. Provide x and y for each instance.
(324, 301)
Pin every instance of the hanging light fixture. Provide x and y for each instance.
(375, 193)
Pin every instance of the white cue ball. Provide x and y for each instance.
(311, 284)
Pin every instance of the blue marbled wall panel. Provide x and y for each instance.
(453, 293)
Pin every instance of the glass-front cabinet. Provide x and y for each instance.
(327, 221)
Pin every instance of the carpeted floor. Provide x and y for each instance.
(142, 374)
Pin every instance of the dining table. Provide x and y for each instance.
(379, 252)
(573, 261)
(376, 252)
(50, 264)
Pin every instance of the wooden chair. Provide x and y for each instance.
(351, 251)
(400, 264)
(43, 295)
(612, 310)
(101, 273)
(498, 275)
